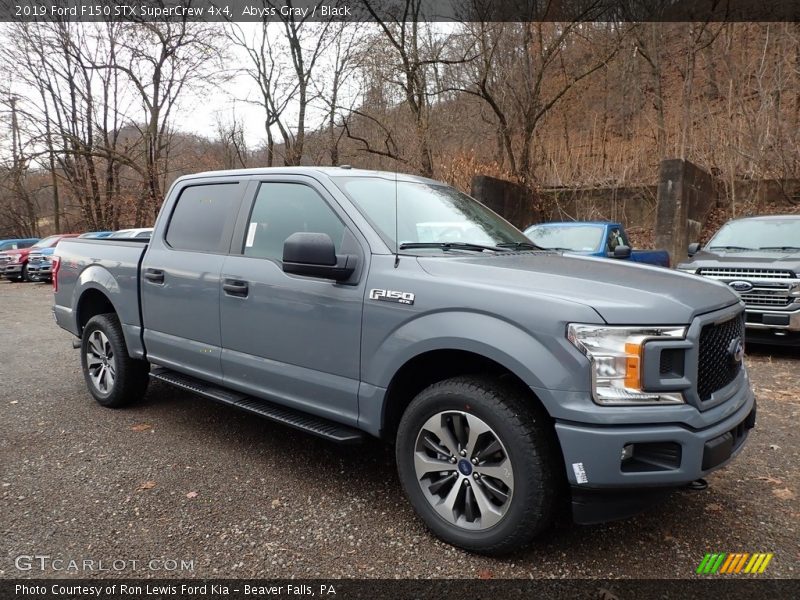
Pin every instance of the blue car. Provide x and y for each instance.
(96, 234)
(17, 243)
(593, 238)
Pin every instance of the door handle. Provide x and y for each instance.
(235, 287)
(154, 275)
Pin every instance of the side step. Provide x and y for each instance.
(312, 424)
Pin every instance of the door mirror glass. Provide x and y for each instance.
(694, 248)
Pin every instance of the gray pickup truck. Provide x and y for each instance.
(758, 258)
(351, 303)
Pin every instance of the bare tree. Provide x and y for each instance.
(521, 72)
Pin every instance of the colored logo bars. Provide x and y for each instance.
(727, 563)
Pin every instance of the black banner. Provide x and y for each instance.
(394, 10)
(730, 588)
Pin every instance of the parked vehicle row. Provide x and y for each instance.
(32, 259)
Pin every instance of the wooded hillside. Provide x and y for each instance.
(93, 131)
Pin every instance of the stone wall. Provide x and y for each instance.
(512, 201)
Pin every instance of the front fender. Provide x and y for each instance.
(539, 360)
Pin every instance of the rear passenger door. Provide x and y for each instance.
(180, 277)
(290, 338)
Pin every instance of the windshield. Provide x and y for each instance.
(426, 213)
(46, 242)
(585, 238)
(758, 234)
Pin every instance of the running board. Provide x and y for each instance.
(312, 424)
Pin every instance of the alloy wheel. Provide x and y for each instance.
(464, 470)
(100, 362)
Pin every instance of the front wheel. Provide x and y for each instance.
(479, 462)
(114, 378)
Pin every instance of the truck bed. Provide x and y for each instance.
(108, 264)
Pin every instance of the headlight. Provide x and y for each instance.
(14, 258)
(616, 356)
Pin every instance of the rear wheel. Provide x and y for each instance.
(114, 378)
(479, 463)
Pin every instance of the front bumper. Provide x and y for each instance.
(605, 487)
(40, 271)
(673, 454)
(12, 270)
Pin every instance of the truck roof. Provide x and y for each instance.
(341, 171)
(576, 223)
(768, 218)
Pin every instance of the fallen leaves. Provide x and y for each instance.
(192, 495)
(142, 427)
(147, 485)
(784, 493)
(713, 507)
(276, 503)
(485, 574)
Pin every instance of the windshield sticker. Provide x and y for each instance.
(251, 235)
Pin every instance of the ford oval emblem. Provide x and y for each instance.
(736, 350)
(741, 286)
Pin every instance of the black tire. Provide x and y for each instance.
(131, 376)
(525, 431)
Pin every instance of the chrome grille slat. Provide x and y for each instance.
(778, 298)
(742, 273)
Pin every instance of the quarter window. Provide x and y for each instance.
(282, 209)
(202, 216)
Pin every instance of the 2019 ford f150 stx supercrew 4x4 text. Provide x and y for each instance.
(759, 258)
(336, 301)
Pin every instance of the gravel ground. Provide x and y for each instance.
(177, 477)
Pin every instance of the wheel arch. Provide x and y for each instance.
(92, 302)
(431, 366)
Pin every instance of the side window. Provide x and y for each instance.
(615, 238)
(282, 209)
(201, 217)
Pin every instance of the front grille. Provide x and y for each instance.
(776, 298)
(716, 367)
(736, 273)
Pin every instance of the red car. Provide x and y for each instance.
(14, 263)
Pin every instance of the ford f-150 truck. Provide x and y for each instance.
(334, 300)
(758, 258)
(593, 238)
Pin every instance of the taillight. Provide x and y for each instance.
(56, 267)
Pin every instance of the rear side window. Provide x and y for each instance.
(202, 216)
(282, 209)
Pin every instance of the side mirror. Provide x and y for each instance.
(694, 248)
(622, 251)
(314, 255)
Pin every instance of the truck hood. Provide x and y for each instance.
(621, 293)
(745, 259)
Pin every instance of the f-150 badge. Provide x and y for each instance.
(392, 296)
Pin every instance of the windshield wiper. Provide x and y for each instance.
(781, 248)
(729, 248)
(449, 246)
(521, 246)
